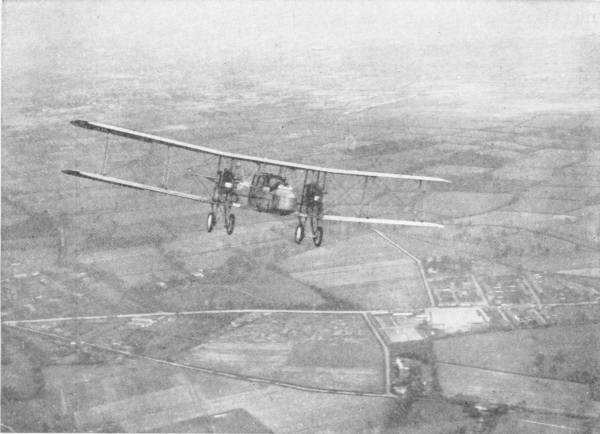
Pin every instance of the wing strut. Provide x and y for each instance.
(165, 178)
(362, 198)
(105, 160)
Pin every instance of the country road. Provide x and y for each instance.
(415, 259)
(192, 312)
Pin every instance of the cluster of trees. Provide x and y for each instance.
(556, 365)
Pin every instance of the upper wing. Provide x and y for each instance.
(118, 131)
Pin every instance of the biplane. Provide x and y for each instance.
(268, 190)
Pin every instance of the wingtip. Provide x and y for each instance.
(70, 172)
(79, 123)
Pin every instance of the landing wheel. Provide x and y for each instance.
(230, 224)
(299, 233)
(318, 236)
(211, 221)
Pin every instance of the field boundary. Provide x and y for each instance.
(463, 365)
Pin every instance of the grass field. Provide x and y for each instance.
(461, 382)
(555, 352)
(531, 423)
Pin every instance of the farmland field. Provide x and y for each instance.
(137, 396)
(531, 423)
(556, 352)
(533, 393)
(316, 350)
(430, 417)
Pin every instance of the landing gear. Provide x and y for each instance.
(223, 198)
(229, 219)
(317, 231)
(211, 221)
(318, 236)
(230, 224)
(299, 233)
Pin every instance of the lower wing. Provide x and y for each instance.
(138, 186)
(375, 221)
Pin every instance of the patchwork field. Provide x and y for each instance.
(137, 396)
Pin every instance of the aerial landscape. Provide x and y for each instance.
(121, 313)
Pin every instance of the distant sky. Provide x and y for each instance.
(206, 28)
(558, 42)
